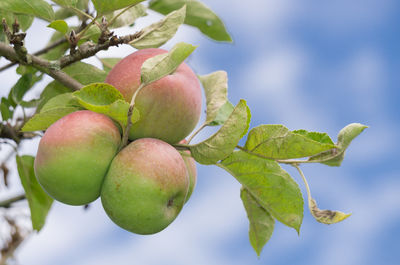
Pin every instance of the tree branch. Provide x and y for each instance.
(52, 69)
(7, 203)
(89, 49)
(40, 52)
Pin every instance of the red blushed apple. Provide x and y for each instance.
(74, 155)
(145, 187)
(169, 108)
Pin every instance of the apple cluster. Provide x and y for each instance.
(144, 186)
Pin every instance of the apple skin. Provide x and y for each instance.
(169, 108)
(192, 171)
(145, 187)
(74, 155)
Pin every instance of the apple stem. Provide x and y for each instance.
(125, 134)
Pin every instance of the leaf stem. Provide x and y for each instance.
(129, 120)
(196, 132)
(305, 182)
(120, 13)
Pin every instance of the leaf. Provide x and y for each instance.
(33, 103)
(223, 114)
(104, 6)
(61, 101)
(56, 52)
(37, 8)
(345, 137)
(271, 186)
(66, 2)
(82, 72)
(6, 113)
(109, 63)
(59, 25)
(326, 216)
(316, 136)
(39, 202)
(261, 222)
(128, 17)
(277, 142)
(23, 84)
(98, 94)
(216, 89)
(106, 99)
(223, 142)
(159, 33)
(41, 121)
(24, 21)
(197, 15)
(164, 64)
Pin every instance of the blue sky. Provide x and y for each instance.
(307, 65)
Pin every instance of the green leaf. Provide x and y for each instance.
(128, 17)
(159, 33)
(37, 8)
(316, 136)
(106, 99)
(109, 63)
(164, 64)
(216, 89)
(99, 94)
(39, 202)
(23, 84)
(104, 6)
(66, 12)
(223, 142)
(59, 25)
(335, 156)
(223, 114)
(93, 34)
(197, 15)
(56, 52)
(277, 142)
(24, 21)
(271, 186)
(82, 72)
(65, 100)
(6, 113)
(261, 222)
(66, 2)
(41, 121)
(33, 103)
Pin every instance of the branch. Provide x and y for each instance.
(40, 52)
(89, 49)
(41, 64)
(7, 203)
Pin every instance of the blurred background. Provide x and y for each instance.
(315, 65)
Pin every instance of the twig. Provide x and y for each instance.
(42, 65)
(89, 49)
(40, 52)
(8, 202)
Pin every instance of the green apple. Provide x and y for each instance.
(145, 187)
(74, 155)
(169, 108)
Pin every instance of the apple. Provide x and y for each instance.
(74, 155)
(191, 168)
(169, 108)
(145, 187)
